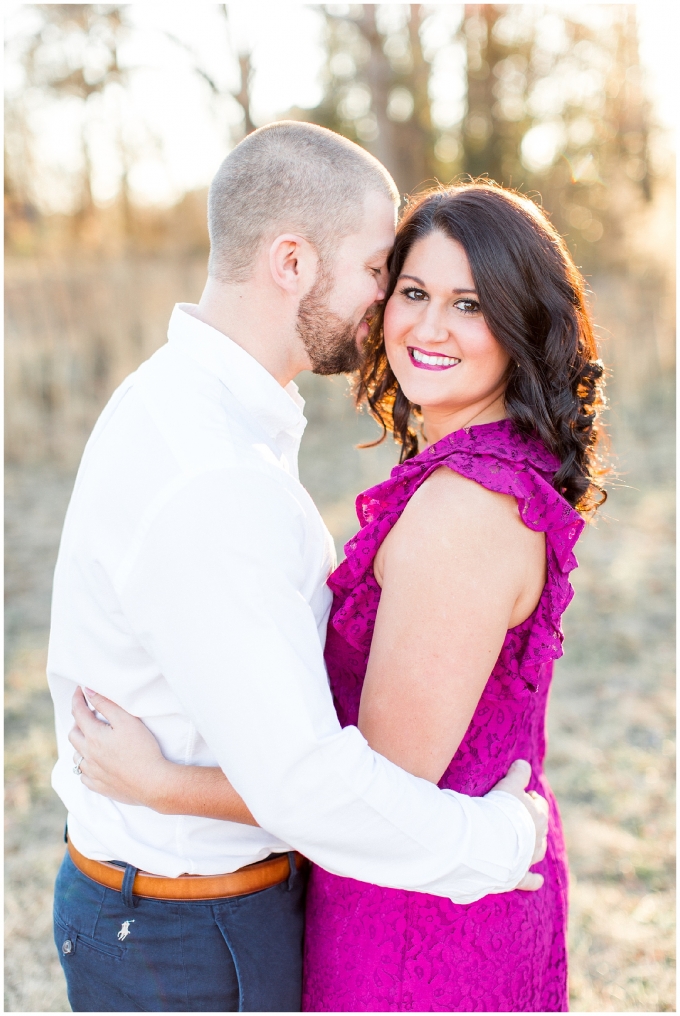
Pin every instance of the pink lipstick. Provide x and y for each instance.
(426, 360)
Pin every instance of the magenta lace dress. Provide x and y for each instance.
(370, 949)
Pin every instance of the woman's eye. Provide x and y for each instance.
(467, 306)
(412, 293)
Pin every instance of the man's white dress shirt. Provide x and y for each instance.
(191, 589)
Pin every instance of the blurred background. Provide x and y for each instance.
(116, 118)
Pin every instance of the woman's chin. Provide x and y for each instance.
(429, 396)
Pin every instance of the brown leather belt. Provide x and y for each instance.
(251, 879)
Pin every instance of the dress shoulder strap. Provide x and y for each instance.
(501, 459)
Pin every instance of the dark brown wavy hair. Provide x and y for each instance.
(532, 297)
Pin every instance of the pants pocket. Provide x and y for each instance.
(68, 941)
(96, 976)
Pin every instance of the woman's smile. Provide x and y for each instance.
(434, 322)
(431, 361)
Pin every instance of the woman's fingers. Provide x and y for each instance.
(78, 740)
(102, 788)
(116, 759)
(82, 714)
(91, 784)
(110, 710)
(122, 759)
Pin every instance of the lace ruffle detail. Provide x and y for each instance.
(370, 949)
(501, 459)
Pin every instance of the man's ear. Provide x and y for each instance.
(293, 263)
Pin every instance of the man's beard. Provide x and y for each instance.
(330, 342)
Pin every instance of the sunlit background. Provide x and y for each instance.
(116, 118)
(144, 100)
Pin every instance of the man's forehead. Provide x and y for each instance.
(380, 215)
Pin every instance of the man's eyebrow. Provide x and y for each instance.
(382, 253)
(420, 282)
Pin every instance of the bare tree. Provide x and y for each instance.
(74, 54)
(377, 90)
(243, 57)
(628, 109)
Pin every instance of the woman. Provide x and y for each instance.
(446, 615)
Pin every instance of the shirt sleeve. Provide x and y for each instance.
(215, 592)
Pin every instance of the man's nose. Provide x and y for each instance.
(382, 280)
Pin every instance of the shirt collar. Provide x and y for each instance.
(277, 409)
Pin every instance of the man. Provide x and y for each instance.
(190, 589)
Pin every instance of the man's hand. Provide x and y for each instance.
(121, 758)
(514, 782)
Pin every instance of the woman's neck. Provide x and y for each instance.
(437, 423)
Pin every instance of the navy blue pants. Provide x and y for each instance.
(128, 954)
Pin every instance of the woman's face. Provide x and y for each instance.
(436, 339)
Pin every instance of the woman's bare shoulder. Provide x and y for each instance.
(450, 515)
(450, 493)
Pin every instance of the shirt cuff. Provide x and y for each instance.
(524, 827)
(499, 846)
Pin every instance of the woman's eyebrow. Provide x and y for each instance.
(420, 282)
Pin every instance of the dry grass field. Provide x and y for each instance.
(73, 335)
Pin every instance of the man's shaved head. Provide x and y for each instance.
(288, 177)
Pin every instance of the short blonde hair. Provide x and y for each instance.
(288, 177)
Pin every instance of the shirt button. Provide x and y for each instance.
(67, 947)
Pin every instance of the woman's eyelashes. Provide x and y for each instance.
(413, 293)
(465, 306)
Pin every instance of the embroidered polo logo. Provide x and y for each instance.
(124, 930)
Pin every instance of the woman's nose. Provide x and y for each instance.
(430, 326)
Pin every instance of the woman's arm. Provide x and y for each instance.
(121, 759)
(458, 569)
